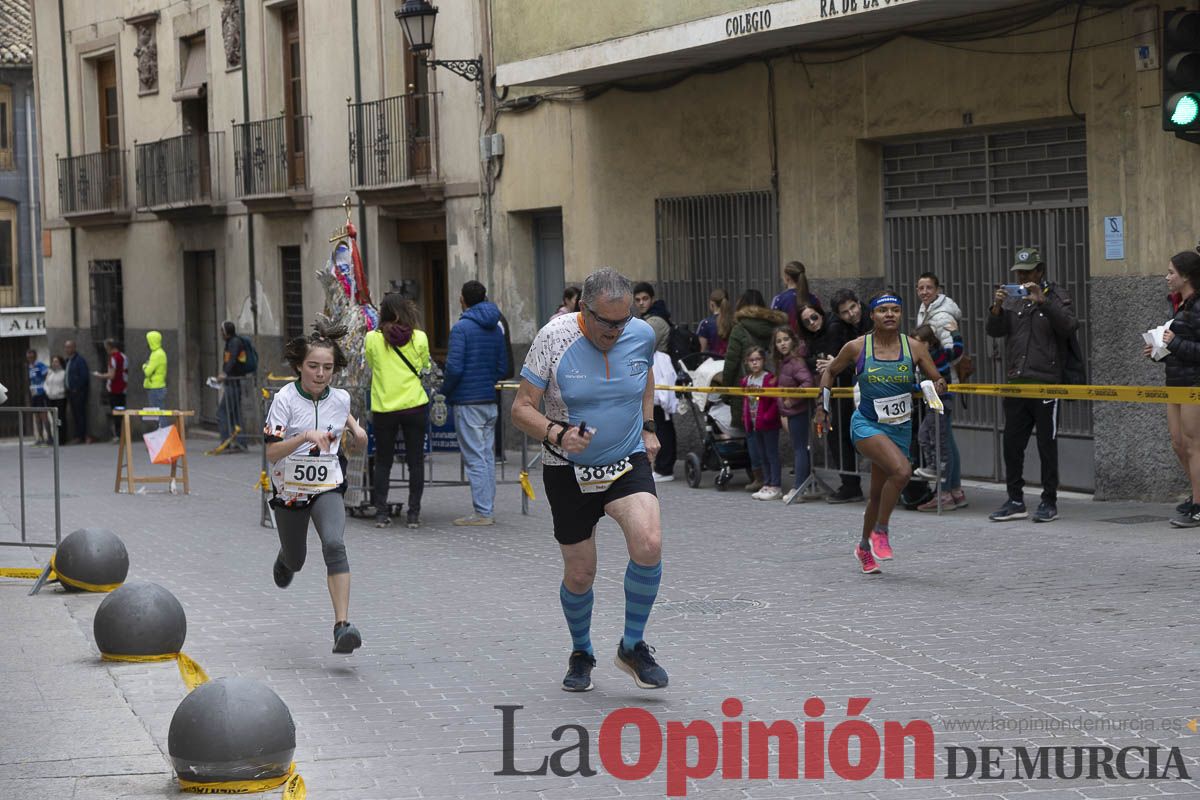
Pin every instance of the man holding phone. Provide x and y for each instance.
(593, 371)
(1036, 321)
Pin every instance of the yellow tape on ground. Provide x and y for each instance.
(193, 674)
(294, 790)
(526, 487)
(22, 572)
(87, 587)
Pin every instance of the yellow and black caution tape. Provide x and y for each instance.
(193, 674)
(526, 486)
(293, 786)
(21, 572)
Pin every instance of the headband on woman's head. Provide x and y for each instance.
(884, 300)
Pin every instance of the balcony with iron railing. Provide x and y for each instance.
(393, 148)
(180, 174)
(91, 187)
(270, 163)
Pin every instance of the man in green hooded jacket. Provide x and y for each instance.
(155, 370)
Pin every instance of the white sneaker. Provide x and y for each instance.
(663, 478)
(787, 498)
(925, 472)
(768, 493)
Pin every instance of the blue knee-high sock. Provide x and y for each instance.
(577, 608)
(641, 587)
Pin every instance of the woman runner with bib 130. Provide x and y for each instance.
(881, 426)
(303, 433)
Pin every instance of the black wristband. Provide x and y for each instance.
(561, 434)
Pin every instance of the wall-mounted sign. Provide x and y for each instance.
(835, 8)
(22, 321)
(749, 22)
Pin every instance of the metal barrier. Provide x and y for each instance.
(52, 412)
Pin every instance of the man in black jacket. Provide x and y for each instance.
(1036, 323)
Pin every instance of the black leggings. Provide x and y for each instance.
(387, 424)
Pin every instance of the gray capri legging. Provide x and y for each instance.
(328, 513)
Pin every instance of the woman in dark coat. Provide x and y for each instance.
(752, 327)
(1182, 339)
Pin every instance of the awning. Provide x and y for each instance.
(731, 36)
(195, 73)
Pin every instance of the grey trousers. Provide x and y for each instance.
(328, 513)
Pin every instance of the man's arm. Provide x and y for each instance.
(650, 440)
(528, 418)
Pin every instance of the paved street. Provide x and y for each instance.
(1085, 622)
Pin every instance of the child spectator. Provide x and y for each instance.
(951, 489)
(760, 418)
(792, 371)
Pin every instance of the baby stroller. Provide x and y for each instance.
(723, 446)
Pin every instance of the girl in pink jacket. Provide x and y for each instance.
(760, 418)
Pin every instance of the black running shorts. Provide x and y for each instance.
(575, 513)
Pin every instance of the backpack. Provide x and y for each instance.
(251, 365)
(682, 342)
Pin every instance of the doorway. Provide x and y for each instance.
(548, 263)
(203, 351)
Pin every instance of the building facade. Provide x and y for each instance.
(200, 155)
(702, 145)
(22, 312)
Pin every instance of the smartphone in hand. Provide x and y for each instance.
(1015, 289)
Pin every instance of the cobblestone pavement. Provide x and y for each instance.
(1089, 621)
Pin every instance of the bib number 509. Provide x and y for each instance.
(310, 473)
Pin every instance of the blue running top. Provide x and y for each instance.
(885, 381)
(584, 384)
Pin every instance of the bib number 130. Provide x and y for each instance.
(894, 410)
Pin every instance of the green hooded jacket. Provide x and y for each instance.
(752, 326)
(155, 367)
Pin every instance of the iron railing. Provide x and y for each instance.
(180, 171)
(94, 182)
(270, 156)
(391, 140)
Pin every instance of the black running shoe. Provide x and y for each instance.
(413, 519)
(346, 638)
(1012, 509)
(1185, 507)
(579, 672)
(281, 573)
(846, 494)
(640, 663)
(1046, 512)
(1190, 519)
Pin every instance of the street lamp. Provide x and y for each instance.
(417, 18)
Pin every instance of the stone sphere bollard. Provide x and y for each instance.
(231, 729)
(91, 556)
(140, 619)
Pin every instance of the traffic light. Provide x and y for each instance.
(1181, 73)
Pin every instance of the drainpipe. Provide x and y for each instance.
(772, 122)
(362, 209)
(34, 239)
(62, 44)
(249, 214)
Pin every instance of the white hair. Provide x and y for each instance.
(605, 284)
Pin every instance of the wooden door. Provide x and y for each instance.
(110, 130)
(293, 74)
(416, 112)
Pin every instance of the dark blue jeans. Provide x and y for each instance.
(798, 431)
(764, 449)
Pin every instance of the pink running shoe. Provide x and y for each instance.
(880, 547)
(866, 561)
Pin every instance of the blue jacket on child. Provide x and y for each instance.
(477, 358)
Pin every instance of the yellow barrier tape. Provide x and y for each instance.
(294, 790)
(192, 673)
(22, 572)
(1122, 394)
(263, 483)
(87, 587)
(526, 486)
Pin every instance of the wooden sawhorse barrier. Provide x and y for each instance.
(125, 453)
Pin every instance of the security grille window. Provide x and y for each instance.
(108, 303)
(293, 292)
(961, 207)
(706, 242)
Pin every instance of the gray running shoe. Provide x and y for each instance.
(639, 662)
(579, 672)
(346, 638)
(1012, 509)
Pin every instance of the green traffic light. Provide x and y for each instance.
(1187, 109)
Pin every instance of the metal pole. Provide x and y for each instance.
(937, 449)
(57, 493)
(524, 468)
(21, 461)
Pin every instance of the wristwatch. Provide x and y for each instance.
(649, 427)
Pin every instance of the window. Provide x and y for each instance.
(107, 302)
(293, 292)
(6, 128)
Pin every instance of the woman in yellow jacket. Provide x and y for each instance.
(397, 353)
(155, 370)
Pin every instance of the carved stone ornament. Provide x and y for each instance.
(231, 32)
(146, 53)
